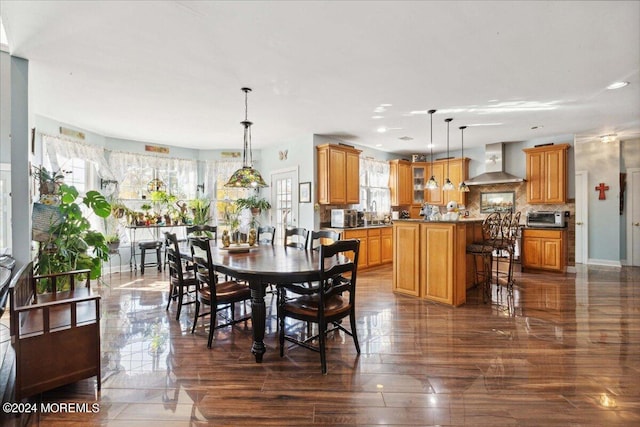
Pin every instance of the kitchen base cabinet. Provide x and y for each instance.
(375, 245)
(543, 250)
(386, 245)
(429, 259)
(406, 258)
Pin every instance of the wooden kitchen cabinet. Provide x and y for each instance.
(375, 245)
(406, 268)
(375, 250)
(458, 170)
(543, 249)
(400, 182)
(338, 174)
(443, 266)
(547, 174)
(360, 234)
(386, 245)
(429, 260)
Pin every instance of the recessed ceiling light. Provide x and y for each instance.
(406, 138)
(377, 117)
(617, 85)
(382, 129)
(378, 145)
(379, 110)
(386, 105)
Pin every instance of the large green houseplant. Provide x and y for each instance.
(72, 244)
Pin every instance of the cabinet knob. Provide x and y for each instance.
(578, 223)
(636, 223)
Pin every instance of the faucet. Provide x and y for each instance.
(374, 207)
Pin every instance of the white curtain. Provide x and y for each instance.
(216, 175)
(126, 165)
(374, 185)
(58, 149)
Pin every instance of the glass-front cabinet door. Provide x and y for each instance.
(419, 174)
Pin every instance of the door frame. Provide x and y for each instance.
(630, 213)
(582, 207)
(295, 202)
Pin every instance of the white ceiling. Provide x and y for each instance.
(170, 72)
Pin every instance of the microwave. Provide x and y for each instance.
(344, 218)
(546, 219)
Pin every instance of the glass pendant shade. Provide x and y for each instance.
(246, 176)
(448, 185)
(463, 187)
(432, 184)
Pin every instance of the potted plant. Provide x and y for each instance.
(73, 244)
(254, 203)
(112, 241)
(48, 181)
(201, 209)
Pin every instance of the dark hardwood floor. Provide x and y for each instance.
(561, 350)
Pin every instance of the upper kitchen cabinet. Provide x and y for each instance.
(400, 182)
(547, 173)
(457, 170)
(338, 174)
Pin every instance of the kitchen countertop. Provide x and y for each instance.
(341, 229)
(461, 220)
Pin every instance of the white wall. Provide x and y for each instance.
(603, 163)
(5, 107)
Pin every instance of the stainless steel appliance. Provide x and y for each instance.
(344, 218)
(546, 219)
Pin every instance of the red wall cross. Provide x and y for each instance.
(602, 188)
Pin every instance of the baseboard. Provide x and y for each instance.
(571, 269)
(606, 262)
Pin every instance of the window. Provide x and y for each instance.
(375, 195)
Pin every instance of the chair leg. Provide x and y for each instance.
(142, 262)
(354, 333)
(171, 291)
(280, 298)
(212, 325)
(322, 335)
(180, 296)
(159, 259)
(195, 318)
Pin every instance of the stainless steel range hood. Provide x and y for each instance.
(494, 167)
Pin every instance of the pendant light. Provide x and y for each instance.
(463, 187)
(432, 184)
(247, 176)
(448, 185)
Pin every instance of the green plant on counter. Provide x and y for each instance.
(72, 244)
(201, 209)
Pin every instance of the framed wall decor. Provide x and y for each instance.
(305, 192)
(498, 202)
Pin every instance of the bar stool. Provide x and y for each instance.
(484, 251)
(150, 245)
(506, 247)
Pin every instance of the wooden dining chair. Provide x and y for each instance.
(322, 237)
(266, 234)
(325, 304)
(296, 237)
(182, 280)
(208, 231)
(218, 295)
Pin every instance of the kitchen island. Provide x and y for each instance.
(430, 260)
(376, 247)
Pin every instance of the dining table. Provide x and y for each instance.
(265, 264)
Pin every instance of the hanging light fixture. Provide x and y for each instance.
(247, 176)
(463, 187)
(448, 185)
(432, 184)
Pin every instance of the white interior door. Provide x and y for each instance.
(284, 206)
(633, 216)
(582, 215)
(5, 208)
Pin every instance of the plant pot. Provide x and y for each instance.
(113, 246)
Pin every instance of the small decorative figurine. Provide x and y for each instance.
(226, 239)
(252, 237)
